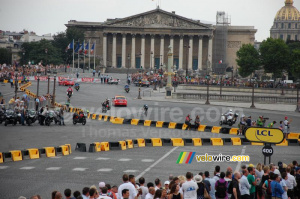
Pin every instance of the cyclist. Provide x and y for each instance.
(146, 108)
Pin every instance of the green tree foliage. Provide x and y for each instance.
(295, 64)
(275, 56)
(247, 59)
(5, 56)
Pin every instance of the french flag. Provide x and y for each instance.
(86, 48)
(70, 46)
(92, 49)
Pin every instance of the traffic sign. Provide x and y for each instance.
(267, 151)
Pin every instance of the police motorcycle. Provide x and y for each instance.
(10, 117)
(56, 117)
(18, 116)
(127, 89)
(105, 106)
(229, 118)
(30, 116)
(77, 87)
(79, 118)
(49, 117)
(2, 115)
(69, 94)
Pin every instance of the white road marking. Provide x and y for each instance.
(147, 160)
(79, 158)
(53, 168)
(130, 171)
(3, 167)
(104, 170)
(238, 166)
(124, 159)
(27, 168)
(102, 158)
(155, 163)
(79, 169)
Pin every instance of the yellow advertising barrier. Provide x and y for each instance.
(236, 141)
(197, 141)
(147, 122)
(112, 118)
(177, 141)
(156, 142)
(1, 158)
(16, 155)
(118, 120)
(264, 135)
(99, 117)
(71, 110)
(5, 81)
(104, 146)
(184, 126)
(141, 142)
(293, 136)
(94, 116)
(201, 128)
(123, 145)
(233, 131)
(172, 125)
(216, 141)
(129, 144)
(283, 143)
(65, 150)
(134, 121)
(105, 118)
(257, 144)
(50, 151)
(216, 129)
(97, 146)
(70, 148)
(159, 124)
(33, 153)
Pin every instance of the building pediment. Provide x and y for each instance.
(158, 19)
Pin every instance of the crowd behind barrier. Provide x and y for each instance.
(249, 182)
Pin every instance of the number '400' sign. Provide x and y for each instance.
(267, 151)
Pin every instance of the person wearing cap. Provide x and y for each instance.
(201, 186)
(101, 185)
(167, 186)
(286, 127)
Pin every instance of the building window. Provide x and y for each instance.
(296, 37)
(289, 25)
(296, 25)
(281, 37)
(282, 25)
(288, 37)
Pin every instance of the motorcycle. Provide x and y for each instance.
(10, 117)
(18, 115)
(49, 117)
(127, 90)
(69, 93)
(56, 118)
(230, 120)
(30, 117)
(2, 115)
(105, 107)
(79, 119)
(77, 88)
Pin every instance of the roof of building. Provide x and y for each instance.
(288, 12)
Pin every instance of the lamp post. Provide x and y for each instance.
(151, 55)
(139, 97)
(53, 99)
(161, 77)
(252, 105)
(221, 86)
(128, 59)
(48, 91)
(46, 51)
(186, 69)
(297, 106)
(282, 89)
(23, 57)
(16, 83)
(207, 94)
(231, 75)
(38, 83)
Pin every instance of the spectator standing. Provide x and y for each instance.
(150, 194)
(259, 171)
(212, 182)
(252, 181)
(144, 189)
(291, 183)
(167, 183)
(85, 193)
(127, 185)
(68, 193)
(221, 187)
(61, 115)
(245, 186)
(236, 194)
(284, 185)
(190, 187)
(157, 184)
(174, 192)
(125, 194)
(228, 179)
(277, 190)
(201, 187)
(103, 194)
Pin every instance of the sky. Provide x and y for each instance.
(50, 16)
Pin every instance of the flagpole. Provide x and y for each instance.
(78, 57)
(73, 54)
(94, 53)
(83, 55)
(89, 53)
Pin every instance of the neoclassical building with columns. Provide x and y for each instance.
(143, 40)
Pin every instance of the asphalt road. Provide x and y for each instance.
(81, 169)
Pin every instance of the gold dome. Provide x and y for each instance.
(288, 12)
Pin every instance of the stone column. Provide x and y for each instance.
(172, 47)
(123, 50)
(152, 50)
(200, 53)
(210, 43)
(114, 50)
(190, 63)
(133, 51)
(181, 52)
(104, 49)
(143, 51)
(161, 53)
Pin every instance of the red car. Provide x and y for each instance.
(66, 82)
(119, 101)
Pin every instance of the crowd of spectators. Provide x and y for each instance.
(260, 182)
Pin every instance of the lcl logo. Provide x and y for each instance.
(263, 133)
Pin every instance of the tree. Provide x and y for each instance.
(295, 64)
(275, 56)
(5, 56)
(74, 33)
(247, 59)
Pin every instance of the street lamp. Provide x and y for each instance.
(16, 82)
(128, 59)
(252, 106)
(282, 91)
(151, 55)
(297, 106)
(221, 86)
(46, 51)
(48, 72)
(207, 94)
(23, 57)
(186, 69)
(53, 99)
(231, 75)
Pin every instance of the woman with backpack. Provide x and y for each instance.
(221, 187)
(261, 191)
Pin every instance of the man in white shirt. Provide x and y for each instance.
(103, 194)
(127, 185)
(157, 184)
(217, 173)
(190, 187)
(143, 188)
(291, 183)
(244, 185)
(151, 193)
